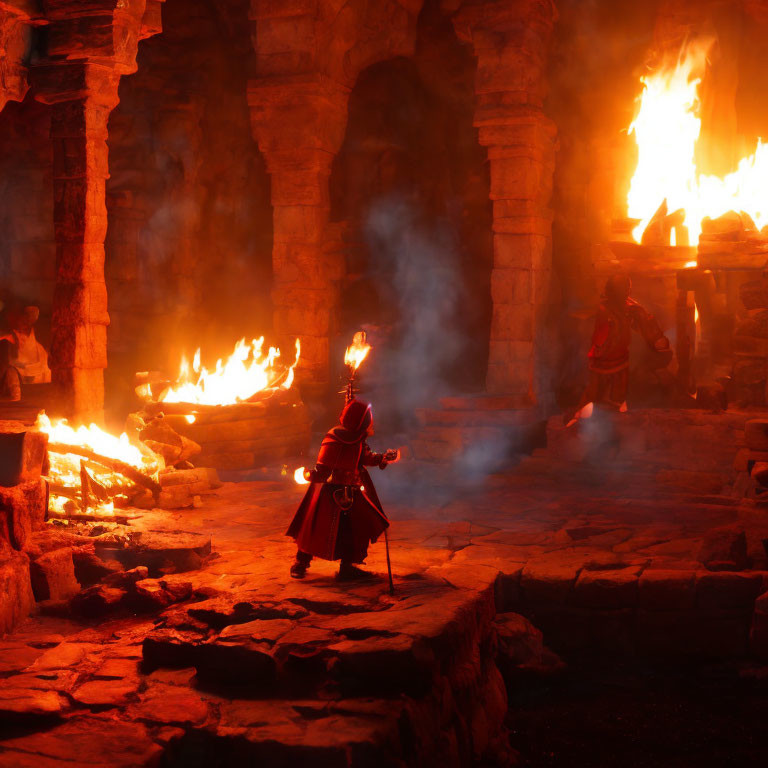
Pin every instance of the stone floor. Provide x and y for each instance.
(602, 551)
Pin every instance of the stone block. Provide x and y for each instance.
(520, 178)
(276, 34)
(514, 322)
(82, 391)
(79, 346)
(662, 590)
(537, 222)
(80, 303)
(547, 582)
(299, 223)
(53, 576)
(300, 187)
(80, 262)
(22, 453)
(17, 599)
(606, 589)
(22, 511)
(511, 286)
(521, 251)
(724, 549)
(727, 591)
(505, 377)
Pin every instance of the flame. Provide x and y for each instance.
(298, 476)
(247, 371)
(65, 468)
(666, 130)
(359, 350)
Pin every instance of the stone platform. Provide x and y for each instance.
(245, 666)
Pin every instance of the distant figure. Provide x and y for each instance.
(617, 317)
(341, 514)
(24, 358)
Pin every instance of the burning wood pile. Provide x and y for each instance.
(721, 219)
(91, 472)
(243, 414)
(93, 475)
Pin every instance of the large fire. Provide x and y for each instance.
(246, 372)
(666, 129)
(65, 473)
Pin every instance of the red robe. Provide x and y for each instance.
(609, 354)
(321, 526)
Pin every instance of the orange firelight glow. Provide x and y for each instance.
(359, 350)
(666, 130)
(298, 476)
(245, 373)
(65, 467)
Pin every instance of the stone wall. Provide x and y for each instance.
(410, 187)
(308, 57)
(27, 244)
(190, 223)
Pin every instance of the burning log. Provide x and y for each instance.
(160, 437)
(660, 228)
(91, 488)
(113, 465)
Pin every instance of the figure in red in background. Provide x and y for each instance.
(341, 514)
(617, 317)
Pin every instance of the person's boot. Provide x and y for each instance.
(349, 572)
(300, 565)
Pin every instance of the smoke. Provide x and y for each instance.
(417, 266)
(421, 355)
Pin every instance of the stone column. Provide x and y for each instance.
(80, 168)
(299, 126)
(511, 42)
(89, 48)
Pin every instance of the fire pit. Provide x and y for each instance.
(244, 414)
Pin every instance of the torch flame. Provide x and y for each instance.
(298, 476)
(247, 371)
(666, 130)
(359, 350)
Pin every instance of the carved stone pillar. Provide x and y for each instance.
(89, 48)
(511, 42)
(299, 127)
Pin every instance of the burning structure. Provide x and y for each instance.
(482, 187)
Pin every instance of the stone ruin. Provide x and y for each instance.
(455, 178)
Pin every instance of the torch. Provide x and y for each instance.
(353, 357)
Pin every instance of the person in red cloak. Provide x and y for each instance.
(341, 514)
(617, 317)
